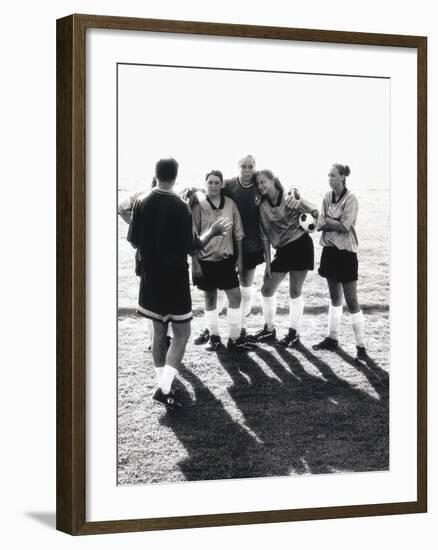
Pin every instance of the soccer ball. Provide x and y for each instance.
(307, 222)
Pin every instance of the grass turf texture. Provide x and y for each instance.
(274, 411)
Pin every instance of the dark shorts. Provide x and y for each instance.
(218, 275)
(253, 259)
(165, 295)
(295, 256)
(340, 265)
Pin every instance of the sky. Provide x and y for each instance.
(297, 125)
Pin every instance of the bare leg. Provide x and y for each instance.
(246, 279)
(357, 320)
(350, 293)
(159, 348)
(177, 348)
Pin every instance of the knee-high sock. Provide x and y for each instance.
(334, 318)
(296, 308)
(167, 378)
(357, 321)
(269, 309)
(234, 318)
(246, 292)
(158, 373)
(212, 319)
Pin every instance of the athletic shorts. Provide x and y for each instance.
(165, 295)
(218, 275)
(253, 259)
(295, 256)
(340, 265)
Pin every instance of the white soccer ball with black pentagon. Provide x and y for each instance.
(307, 222)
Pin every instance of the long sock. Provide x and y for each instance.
(234, 318)
(269, 309)
(357, 321)
(167, 377)
(159, 373)
(296, 308)
(212, 320)
(334, 318)
(247, 295)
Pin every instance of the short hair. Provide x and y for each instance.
(166, 170)
(250, 157)
(216, 173)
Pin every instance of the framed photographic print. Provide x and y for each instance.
(241, 274)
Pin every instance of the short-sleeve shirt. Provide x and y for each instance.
(343, 210)
(246, 200)
(279, 222)
(162, 229)
(221, 247)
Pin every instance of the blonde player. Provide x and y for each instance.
(279, 226)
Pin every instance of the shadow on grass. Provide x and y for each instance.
(293, 422)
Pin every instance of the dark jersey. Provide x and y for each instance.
(245, 198)
(161, 229)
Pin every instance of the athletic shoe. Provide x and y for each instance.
(215, 343)
(243, 333)
(361, 354)
(291, 340)
(169, 400)
(327, 343)
(203, 338)
(239, 345)
(264, 335)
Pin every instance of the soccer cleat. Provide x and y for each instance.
(327, 343)
(291, 340)
(203, 338)
(243, 333)
(361, 354)
(169, 400)
(264, 335)
(215, 343)
(239, 345)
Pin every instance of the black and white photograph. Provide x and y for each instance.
(253, 273)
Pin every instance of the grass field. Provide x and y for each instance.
(273, 412)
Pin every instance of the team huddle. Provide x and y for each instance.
(228, 229)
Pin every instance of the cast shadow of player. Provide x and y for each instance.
(217, 446)
(309, 423)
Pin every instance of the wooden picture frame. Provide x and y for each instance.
(71, 273)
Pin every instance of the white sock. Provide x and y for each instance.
(269, 309)
(221, 301)
(246, 292)
(334, 318)
(212, 320)
(167, 377)
(234, 318)
(296, 308)
(357, 321)
(159, 373)
(150, 331)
